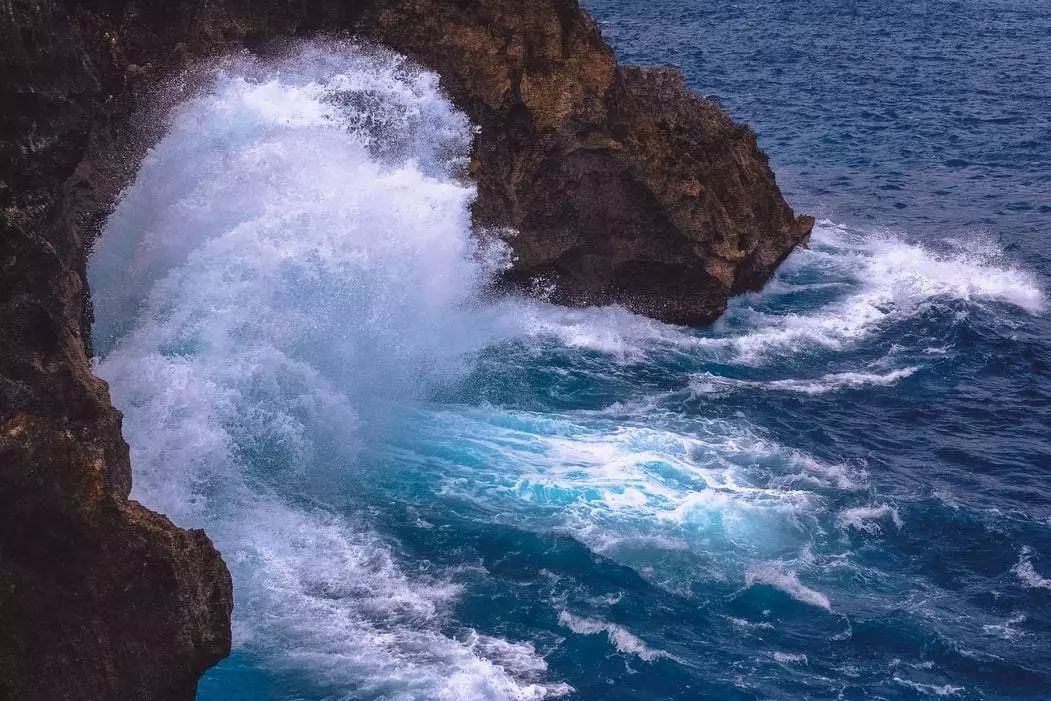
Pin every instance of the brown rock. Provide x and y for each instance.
(624, 187)
(99, 597)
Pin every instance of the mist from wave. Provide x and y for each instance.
(293, 255)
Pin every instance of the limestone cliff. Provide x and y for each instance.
(622, 185)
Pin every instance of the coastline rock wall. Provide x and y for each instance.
(623, 187)
(100, 598)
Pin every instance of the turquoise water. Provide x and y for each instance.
(838, 491)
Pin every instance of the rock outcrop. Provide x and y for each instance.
(622, 185)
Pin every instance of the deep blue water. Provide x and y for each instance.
(840, 490)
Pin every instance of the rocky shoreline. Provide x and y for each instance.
(622, 185)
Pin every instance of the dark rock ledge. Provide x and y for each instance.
(623, 186)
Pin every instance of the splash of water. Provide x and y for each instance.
(295, 252)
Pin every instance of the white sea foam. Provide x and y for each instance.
(708, 383)
(870, 519)
(884, 279)
(749, 625)
(1026, 572)
(777, 575)
(317, 595)
(619, 636)
(612, 329)
(842, 380)
(877, 278)
(1007, 629)
(931, 689)
(293, 255)
(790, 658)
(626, 490)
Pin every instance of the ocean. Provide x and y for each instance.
(840, 490)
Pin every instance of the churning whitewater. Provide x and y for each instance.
(295, 255)
(424, 492)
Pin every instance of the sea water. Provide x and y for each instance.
(424, 492)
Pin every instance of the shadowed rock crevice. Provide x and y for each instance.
(621, 184)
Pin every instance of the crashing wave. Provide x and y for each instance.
(295, 250)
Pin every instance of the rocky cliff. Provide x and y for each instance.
(622, 185)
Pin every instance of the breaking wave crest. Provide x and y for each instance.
(295, 252)
(864, 282)
(619, 636)
(1026, 572)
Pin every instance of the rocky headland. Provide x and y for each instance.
(622, 185)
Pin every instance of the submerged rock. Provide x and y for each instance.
(622, 187)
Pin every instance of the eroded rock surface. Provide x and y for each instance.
(623, 187)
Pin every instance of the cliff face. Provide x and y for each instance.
(99, 597)
(623, 187)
